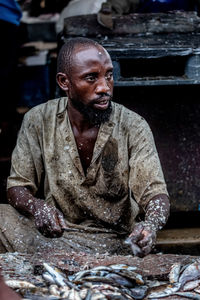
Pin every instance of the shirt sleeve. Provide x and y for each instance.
(146, 177)
(27, 162)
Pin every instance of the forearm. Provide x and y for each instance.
(143, 237)
(48, 219)
(157, 211)
(21, 198)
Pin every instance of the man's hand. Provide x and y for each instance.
(49, 220)
(142, 239)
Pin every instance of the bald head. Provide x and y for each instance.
(64, 62)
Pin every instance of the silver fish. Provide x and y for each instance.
(64, 292)
(116, 268)
(135, 248)
(139, 292)
(83, 293)
(192, 272)
(191, 285)
(167, 291)
(102, 271)
(47, 277)
(53, 289)
(197, 290)
(20, 284)
(97, 279)
(155, 283)
(89, 294)
(98, 296)
(71, 285)
(117, 296)
(130, 275)
(108, 292)
(184, 267)
(120, 279)
(73, 295)
(188, 295)
(175, 272)
(58, 278)
(126, 272)
(102, 268)
(85, 273)
(103, 286)
(122, 266)
(112, 291)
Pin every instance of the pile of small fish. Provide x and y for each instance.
(102, 282)
(184, 281)
(115, 282)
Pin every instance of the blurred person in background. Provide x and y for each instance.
(106, 8)
(149, 6)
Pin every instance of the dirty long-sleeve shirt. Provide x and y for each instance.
(124, 173)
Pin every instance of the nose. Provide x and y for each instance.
(102, 86)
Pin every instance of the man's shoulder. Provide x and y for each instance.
(128, 116)
(49, 108)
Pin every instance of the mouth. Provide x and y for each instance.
(102, 104)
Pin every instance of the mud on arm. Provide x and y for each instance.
(143, 238)
(149, 189)
(25, 179)
(48, 219)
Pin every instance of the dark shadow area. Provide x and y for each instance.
(173, 115)
(189, 219)
(164, 66)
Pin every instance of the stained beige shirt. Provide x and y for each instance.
(124, 173)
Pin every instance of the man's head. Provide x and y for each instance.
(84, 72)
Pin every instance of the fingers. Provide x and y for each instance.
(146, 250)
(136, 235)
(136, 250)
(141, 240)
(50, 222)
(146, 239)
(50, 230)
(55, 229)
(61, 220)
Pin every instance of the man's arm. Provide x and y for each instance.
(48, 219)
(26, 176)
(143, 237)
(148, 187)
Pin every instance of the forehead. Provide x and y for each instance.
(90, 56)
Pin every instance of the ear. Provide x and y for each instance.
(62, 81)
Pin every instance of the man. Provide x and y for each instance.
(77, 8)
(94, 161)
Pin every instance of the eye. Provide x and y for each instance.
(109, 75)
(90, 77)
